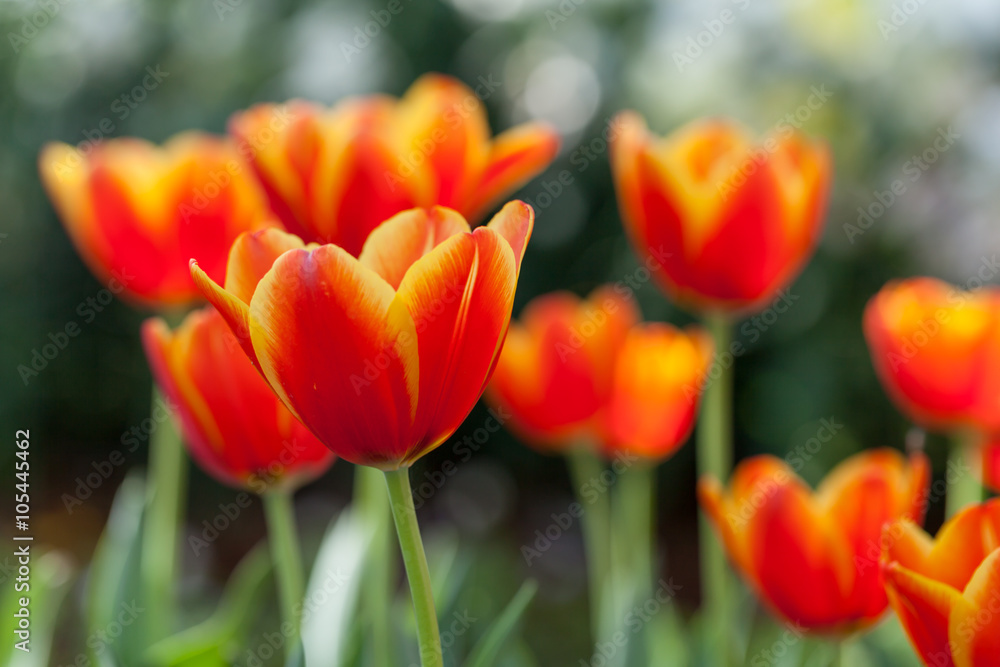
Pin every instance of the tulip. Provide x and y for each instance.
(813, 557)
(138, 213)
(239, 432)
(946, 592)
(554, 374)
(936, 350)
(332, 175)
(991, 464)
(384, 355)
(727, 221)
(233, 424)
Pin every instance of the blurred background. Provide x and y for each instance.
(904, 90)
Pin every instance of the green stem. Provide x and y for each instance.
(287, 556)
(963, 481)
(373, 504)
(586, 468)
(715, 456)
(167, 487)
(415, 561)
(633, 517)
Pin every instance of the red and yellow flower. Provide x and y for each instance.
(728, 221)
(233, 424)
(333, 175)
(138, 213)
(382, 356)
(587, 370)
(813, 557)
(946, 592)
(936, 350)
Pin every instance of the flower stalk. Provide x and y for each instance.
(287, 556)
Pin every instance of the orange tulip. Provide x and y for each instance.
(946, 592)
(936, 350)
(138, 213)
(813, 557)
(586, 370)
(555, 371)
(334, 174)
(384, 355)
(729, 222)
(233, 424)
(655, 390)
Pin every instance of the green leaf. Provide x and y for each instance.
(113, 584)
(214, 641)
(331, 600)
(488, 648)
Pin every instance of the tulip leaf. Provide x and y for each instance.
(332, 593)
(214, 641)
(113, 582)
(487, 649)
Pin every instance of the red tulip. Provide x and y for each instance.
(233, 424)
(334, 174)
(138, 213)
(947, 591)
(809, 555)
(383, 355)
(936, 350)
(729, 221)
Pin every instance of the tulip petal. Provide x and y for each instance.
(516, 156)
(923, 606)
(406, 237)
(514, 223)
(974, 628)
(337, 353)
(459, 296)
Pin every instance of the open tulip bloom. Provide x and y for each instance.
(382, 356)
(946, 591)
(936, 349)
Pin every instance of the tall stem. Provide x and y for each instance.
(586, 468)
(633, 516)
(415, 561)
(715, 457)
(166, 491)
(373, 504)
(962, 473)
(287, 556)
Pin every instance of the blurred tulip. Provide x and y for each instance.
(991, 464)
(555, 371)
(936, 350)
(947, 591)
(382, 356)
(138, 213)
(813, 557)
(657, 382)
(585, 370)
(233, 424)
(729, 222)
(334, 174)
